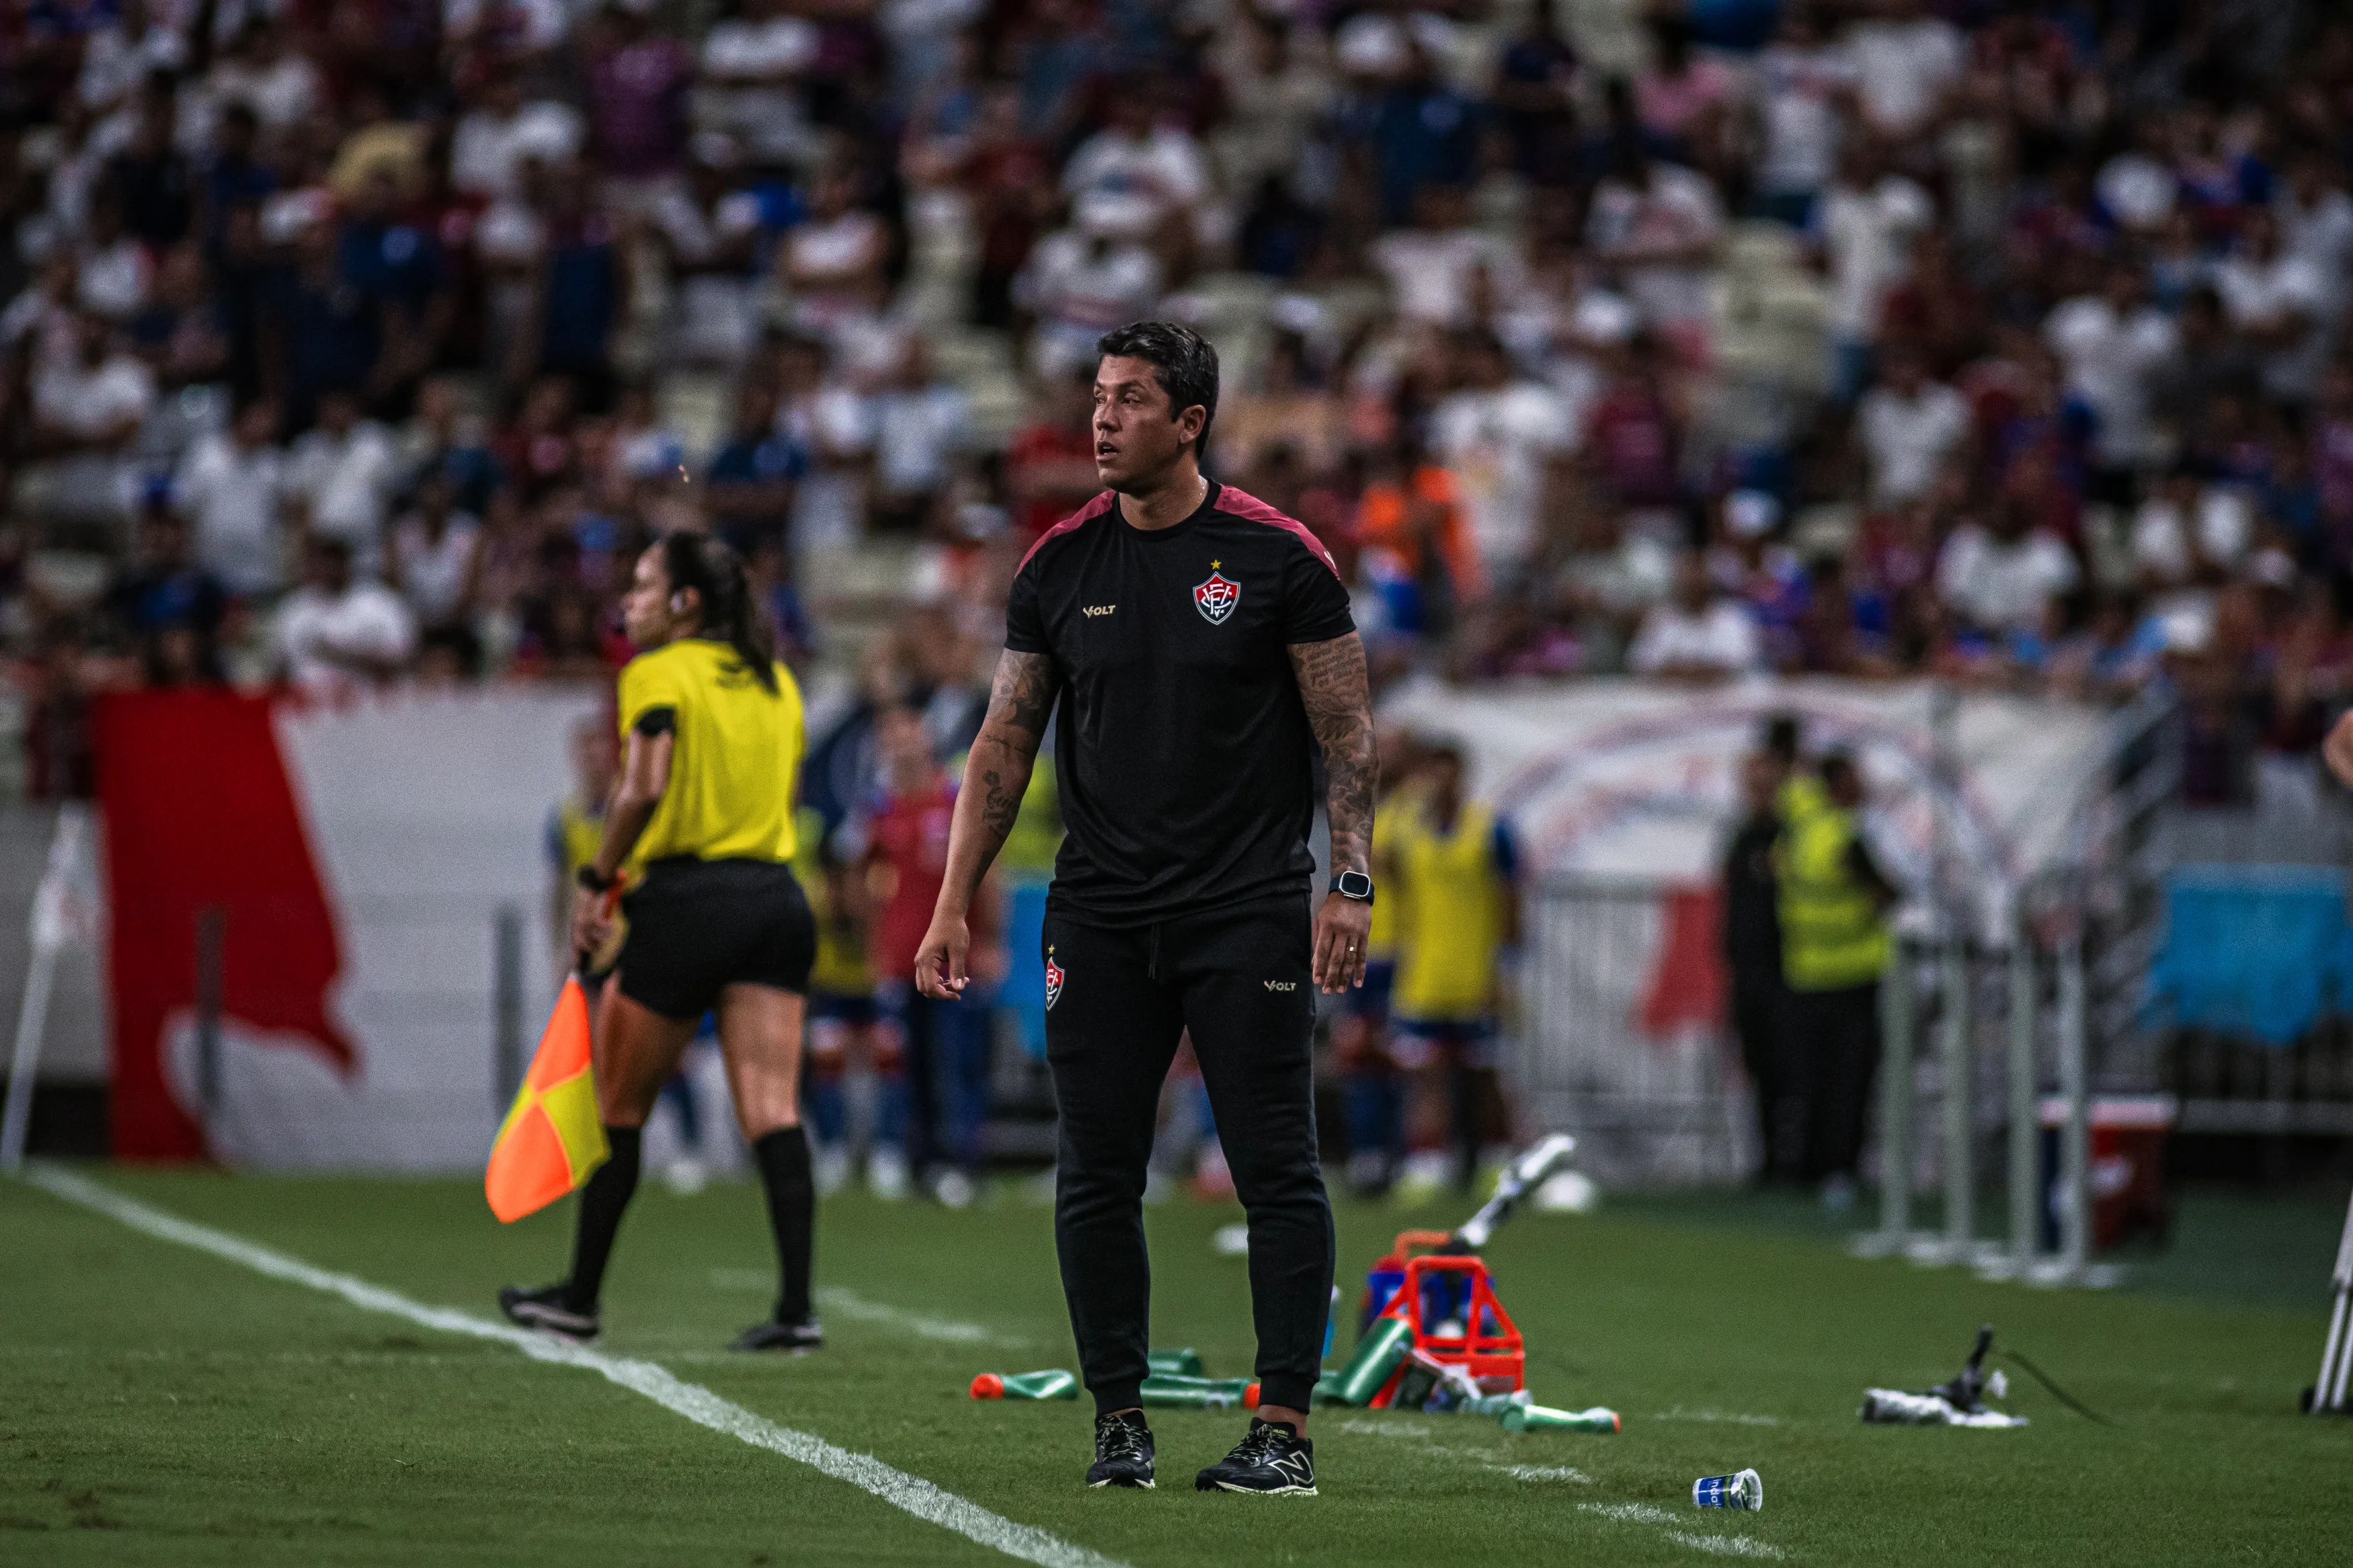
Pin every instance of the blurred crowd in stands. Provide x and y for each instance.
(356, 342)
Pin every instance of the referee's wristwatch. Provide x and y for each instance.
(1354, 884)
(588, 879)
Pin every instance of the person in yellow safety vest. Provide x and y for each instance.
(1454, 868)
(1360, 1035)
(1833, 903)
(842, 1016)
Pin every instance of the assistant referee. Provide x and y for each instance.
(1195, 647)
(701, 831)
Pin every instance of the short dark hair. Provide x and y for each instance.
(1182, 362)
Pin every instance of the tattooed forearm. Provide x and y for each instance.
(1023, 694)
(997, 773)
(1333, 685)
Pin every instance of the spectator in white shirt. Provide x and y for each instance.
(280, 85)
(435, 561)
(1658, 224)
(232, 490)
(113, 275)
(1907, 63)
(494, 138)
(96, 401)
(2316, 223)
(919, 427)
(2114, 346)
(1431, 267)
(2278, 301)
(2190, 532)
(1697, 634)
(2004, 576)
(337, 634)
(1803, 81)
(1079, 285)
(752, 65)
(1869, 219)
(1500, 436)
(833, 262)
(342, 475)
(2138, 186)
(1137, 174)
(1909, 428)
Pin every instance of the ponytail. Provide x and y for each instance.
(715, 573)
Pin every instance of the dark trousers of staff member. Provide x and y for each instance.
(1239, 979)
(1834, 1056)
(1760, 1021)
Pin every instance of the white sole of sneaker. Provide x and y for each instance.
(1128, 1486)
(1267, 1491)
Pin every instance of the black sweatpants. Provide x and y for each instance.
(1239, 980)
(1834, 1049)
(1759, 1018)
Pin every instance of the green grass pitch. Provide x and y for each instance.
(160, 1405)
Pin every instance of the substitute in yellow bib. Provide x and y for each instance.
(700, 830)
(1832, 904)
(1454, 871)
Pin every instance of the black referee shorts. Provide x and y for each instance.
(1117, 1002)
(697, 926)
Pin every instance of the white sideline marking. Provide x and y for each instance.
(858, 1309)
(1543, 1472)
(1725, 1545)
(912, 1494)
(1728, 1417)
(1645, 1514)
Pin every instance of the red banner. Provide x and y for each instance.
(199, 813)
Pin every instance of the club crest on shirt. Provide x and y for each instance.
(1217, 597)
(1054, 980)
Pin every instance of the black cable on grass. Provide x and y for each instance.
(2061, 1394)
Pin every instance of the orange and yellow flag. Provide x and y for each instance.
(553, 1136)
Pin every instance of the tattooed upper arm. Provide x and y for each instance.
(1021, 699)
(1338, 696)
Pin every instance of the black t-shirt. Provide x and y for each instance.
(1183, 747)
(1752, 915)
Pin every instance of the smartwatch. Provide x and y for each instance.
(1354, 884)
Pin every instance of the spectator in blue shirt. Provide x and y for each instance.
(749, 486)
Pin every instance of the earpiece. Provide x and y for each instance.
(678, 602)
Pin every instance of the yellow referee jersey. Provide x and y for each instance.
(735, 758)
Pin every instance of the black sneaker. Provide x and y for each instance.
(1123, 1451)
(543, 1308)
(805, 1335)
(1272, 1461)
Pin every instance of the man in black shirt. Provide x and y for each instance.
(1752, 952)
(1199, 647)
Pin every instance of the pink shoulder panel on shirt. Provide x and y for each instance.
(1250, 509)
(1085, 514)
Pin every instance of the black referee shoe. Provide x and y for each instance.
(543, 1308)
(1123, 1451)
(805, 1335)
(1272, 1461)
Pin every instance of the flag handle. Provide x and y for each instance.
(582, 959)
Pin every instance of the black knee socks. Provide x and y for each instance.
(601, 1203)
(783, 1157)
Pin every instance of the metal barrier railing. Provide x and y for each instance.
(1648, 1106)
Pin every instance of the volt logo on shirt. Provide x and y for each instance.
(1217, 597)
(1282, 986)
(1092, 610)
